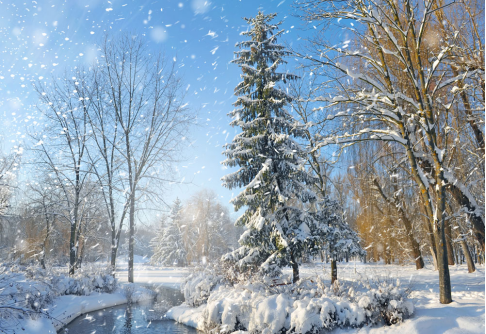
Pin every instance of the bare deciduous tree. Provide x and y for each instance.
(400, 90)
(61, 144)
(146, 98)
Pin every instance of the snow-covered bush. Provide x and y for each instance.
(17, 291)
(311, 315)
(26, 290)
(306, 307)
(90, 278)
(387, 300)
(199, 284)
(33, 287)
(21, 297)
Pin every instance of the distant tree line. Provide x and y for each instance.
(198, 231)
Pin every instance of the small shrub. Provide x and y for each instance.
(386, 300)
(199, 284)
(308, 307)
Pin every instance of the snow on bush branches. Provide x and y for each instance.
(198, 285)
(27, 289)
(306, 307)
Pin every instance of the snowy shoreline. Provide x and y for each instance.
(67, 308)
(186, 315)
(464, 315)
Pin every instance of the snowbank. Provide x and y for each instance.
(248, 307)
(137, 259)
(43, 301)
(186, 315)
(67, 308)
(153, 275)
(306, 307)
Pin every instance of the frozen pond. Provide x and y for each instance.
(138, 318)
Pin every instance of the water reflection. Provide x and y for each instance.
(133, 319)
(127, 329)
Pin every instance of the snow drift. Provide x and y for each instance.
(306, 307)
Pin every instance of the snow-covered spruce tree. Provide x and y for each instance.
(168, 245)
(276, 192)
(340, 239)
(176, 212)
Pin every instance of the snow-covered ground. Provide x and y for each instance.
(149, 275)
(65, 308)
(464, 315)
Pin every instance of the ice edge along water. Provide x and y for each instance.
(67, 308)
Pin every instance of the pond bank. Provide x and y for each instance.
(66, 308)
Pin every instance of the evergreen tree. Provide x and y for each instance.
(276, 192)
(176, 212)
(219, 238)
(168, 245)
(339, 239)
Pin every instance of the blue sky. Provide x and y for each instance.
(41, 39)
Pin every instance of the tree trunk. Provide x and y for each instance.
(416, 253)
(116, 240)
(118, 235)
(79, 262)
(467, 254)
(433, 249)
(131, 242)
(113, 249)
(43, 258)
(434, 258)
(79, 238)
(440, 238)
(457, 253)
(462, 199)
(44, 244)
(114, 245)
(133, 184)
(450, 249)
(72, 249)
(333, 271)
(442, 267)
(295, 269)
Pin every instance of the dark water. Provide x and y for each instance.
(146, 318)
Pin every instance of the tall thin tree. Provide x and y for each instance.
(146, 98)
